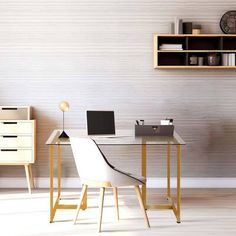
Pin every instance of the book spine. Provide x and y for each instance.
(176, 25)
(180, 26)
(233, 59)
(229, 59)
(225, 59)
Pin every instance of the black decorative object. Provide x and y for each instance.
(228, 22)
(187, 27)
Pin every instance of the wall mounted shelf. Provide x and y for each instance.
(198, 45)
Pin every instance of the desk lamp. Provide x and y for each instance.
(64, 106)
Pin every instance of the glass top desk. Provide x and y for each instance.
(122, 137)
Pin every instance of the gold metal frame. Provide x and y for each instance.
(54, 205)
(171, 205)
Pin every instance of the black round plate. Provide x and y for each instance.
(228, 22)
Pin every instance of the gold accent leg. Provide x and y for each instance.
(52, 212)
(178, 182)
(168, 171)
(27, 173)
(102, 191)
(84, 189)
(58, 171)
(144, 172)
(142, 205)
(115, 190)
(84, 205)
(31, 177)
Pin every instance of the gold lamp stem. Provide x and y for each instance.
(63, 119)
(63, 135)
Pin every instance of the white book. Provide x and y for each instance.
(174, 49)
(171, 45)
(229, 59)
(176, 25)
(225, 59)
(233, 59)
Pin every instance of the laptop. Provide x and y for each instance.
(101, 123)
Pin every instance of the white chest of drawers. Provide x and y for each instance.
(17, 139)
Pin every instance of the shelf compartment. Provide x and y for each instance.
(204, 43)
(171, 40)
(170, 59)
(229, 43)
(204, 55)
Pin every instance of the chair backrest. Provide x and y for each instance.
(90, 162)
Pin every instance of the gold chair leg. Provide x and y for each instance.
(84, 189)
(84, 203)
(115, 190)
(102, 191)
(137, 189)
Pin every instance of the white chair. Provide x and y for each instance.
(95, 171)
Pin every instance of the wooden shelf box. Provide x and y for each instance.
(199, 45)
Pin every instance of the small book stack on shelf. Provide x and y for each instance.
(228, 59)
(171, 47)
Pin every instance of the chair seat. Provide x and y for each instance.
(137, 177)
(141, 178)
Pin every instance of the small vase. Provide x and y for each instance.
(213, 59)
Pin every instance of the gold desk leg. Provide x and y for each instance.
(144, 172)
(52, 212)
(178, 182)
(58, 171)
(168, 171)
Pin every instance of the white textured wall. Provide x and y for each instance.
(97, 54)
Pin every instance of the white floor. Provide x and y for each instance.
(204, 212)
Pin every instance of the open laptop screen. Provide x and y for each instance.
(100, 122)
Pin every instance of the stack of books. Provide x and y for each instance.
(171, 47)
(228, 59)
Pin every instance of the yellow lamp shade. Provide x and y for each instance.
(64, 106)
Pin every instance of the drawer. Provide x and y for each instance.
(14, 141)
(16, 156)
(14, 113)
(12, 127)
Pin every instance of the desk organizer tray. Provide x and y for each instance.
(154, 130)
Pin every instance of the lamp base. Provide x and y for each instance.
(63, 135)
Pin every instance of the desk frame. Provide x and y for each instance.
(54, 205)
(171, 205)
